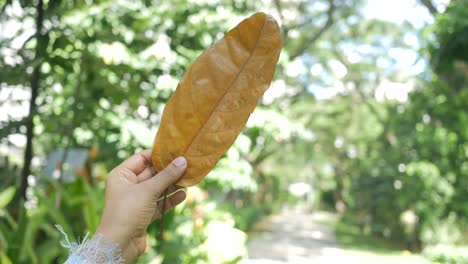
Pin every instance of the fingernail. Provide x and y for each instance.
(180, 161)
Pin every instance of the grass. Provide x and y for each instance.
(366, 249)
(349, 236)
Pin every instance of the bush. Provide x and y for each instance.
(444, 231)
(447, 254)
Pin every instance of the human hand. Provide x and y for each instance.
(133, 190)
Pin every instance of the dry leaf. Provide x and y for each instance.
(215, 97)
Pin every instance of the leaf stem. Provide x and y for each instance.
(161, 224)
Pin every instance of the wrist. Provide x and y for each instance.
(112, 235)
(95, 250)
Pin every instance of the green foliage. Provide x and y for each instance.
(6, 196)
(22, 238)
(427, 190)
(447, 254)
(444, 230)
(451, 31)
(349, 236)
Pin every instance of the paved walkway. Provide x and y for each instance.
(300, 238)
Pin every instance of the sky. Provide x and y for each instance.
(399, 11)
(407, 60)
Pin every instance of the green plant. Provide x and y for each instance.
(447, 254)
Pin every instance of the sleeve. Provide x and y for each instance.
(91, 251)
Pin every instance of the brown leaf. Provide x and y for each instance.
(216, 96)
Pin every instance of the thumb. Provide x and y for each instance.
(167, 177)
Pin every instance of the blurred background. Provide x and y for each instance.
(357, 153)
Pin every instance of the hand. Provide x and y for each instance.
(133, 190)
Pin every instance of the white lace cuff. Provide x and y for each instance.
(91, 251)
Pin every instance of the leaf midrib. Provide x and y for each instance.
(227, 89)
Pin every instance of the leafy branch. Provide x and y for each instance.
(308, 42)
(312, 38)
(430, 6)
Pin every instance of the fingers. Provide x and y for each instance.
(138, 162)
(171, 202)
(146, 174)
(167, 177)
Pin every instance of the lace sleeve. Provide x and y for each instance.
(91, 251)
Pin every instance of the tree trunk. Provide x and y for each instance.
(340, 204)
(35, 83)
